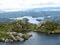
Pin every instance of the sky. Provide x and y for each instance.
(15, 5)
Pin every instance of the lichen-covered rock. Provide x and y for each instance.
(21, 39)
(6, 40)
(20, 34)
(2, 39)
(10, 40)
(26, 36)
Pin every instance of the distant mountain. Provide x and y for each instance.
(45, 9)
(54, 12)
(5, 20)
(29, 13)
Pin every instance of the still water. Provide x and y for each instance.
(38, 39)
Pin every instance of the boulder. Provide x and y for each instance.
(2, 39)
(20, 34)
(19, 38)
(10, 40)
(6, 40)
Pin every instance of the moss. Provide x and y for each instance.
(4, 35)
(26, 36)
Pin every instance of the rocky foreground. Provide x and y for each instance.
(14, 36)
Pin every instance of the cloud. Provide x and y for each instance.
(25, 4)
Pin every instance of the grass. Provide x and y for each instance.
(4, 35)
(26, 36)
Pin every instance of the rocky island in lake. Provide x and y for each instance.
(13, 31)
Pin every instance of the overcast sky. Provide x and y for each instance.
(25, 4)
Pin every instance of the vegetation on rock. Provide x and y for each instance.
(49, 27)
(12, 31)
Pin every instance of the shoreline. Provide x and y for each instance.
(12, 31)
(14, 37)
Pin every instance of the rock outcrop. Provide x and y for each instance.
(15, 37)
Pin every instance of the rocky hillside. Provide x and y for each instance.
(17, 26)
(49, 27)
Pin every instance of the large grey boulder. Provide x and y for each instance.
(6, 40)
(20, 34)
(19, 38)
